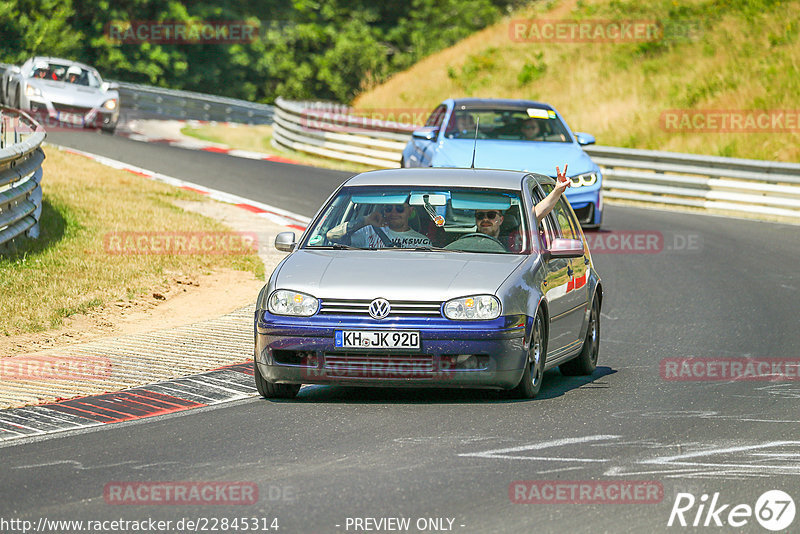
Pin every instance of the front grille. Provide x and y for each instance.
(398, 307)
(357, 365)
(71, 109)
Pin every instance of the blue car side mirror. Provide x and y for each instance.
(427, 134)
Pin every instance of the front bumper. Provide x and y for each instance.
(459, 354)
(587, 203)
(57, 115)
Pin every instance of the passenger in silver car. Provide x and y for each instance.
(383, 228)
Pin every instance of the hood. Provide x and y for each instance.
(72, 95)
(394, 274)
(530, 156)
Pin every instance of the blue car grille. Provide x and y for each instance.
(361, 308)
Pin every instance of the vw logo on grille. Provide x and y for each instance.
(379, 308)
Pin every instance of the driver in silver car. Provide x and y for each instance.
(489, 222)
(383, 228)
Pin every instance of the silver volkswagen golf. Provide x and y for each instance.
(434, 278)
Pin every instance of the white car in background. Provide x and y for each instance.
(60, 92)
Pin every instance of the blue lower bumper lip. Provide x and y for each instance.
(459, 356)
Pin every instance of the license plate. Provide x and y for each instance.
(72, 118)
(376, 339)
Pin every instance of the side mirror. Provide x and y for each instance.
(285, 241)
(584, 138)
(566, 248)
(108, 86)
(428, 134)
(15, 69)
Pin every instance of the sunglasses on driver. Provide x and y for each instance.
(399, 208)
(479, 215)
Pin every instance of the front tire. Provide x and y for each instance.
(586, 362)
(532, 376)
(271, 390)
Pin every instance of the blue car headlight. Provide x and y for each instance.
(474, 308)
(286, 302)
(585, 179)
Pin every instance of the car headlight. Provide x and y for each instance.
(32, 91)
(285, 302)
(585, 179)
(110, 104)
(475, 308)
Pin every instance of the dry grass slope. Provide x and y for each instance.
(719, 55)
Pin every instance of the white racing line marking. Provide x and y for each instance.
(503, 453)
(699, 460)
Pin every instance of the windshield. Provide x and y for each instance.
(64, 73)
(523, 124)
(417, 218)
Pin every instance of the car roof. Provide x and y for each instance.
(500, 103)
(445, 177)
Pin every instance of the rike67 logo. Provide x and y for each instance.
(774, 510)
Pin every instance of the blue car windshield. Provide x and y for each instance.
(418, 218)
(522, 124)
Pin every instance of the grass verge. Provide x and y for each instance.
(258, 138)
(68, 271)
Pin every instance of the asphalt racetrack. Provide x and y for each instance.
(341, 459)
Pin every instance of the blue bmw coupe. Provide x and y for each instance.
(512, 134)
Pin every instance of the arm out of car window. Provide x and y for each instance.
(541, 209)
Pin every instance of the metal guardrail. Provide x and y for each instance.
(21, 158)
(647, 176)
(160, 103)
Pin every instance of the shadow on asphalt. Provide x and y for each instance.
(555, 385)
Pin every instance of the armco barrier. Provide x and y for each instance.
(160, 103)
(21, 160)
(646, 176)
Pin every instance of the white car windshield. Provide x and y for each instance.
(418, 218)
(65, 73)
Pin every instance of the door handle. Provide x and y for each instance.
(569, 271)
(586, 261)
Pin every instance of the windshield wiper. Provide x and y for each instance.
(337, 246)
(437, 249)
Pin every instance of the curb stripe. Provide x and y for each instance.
(192, 144)
(226, 384)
